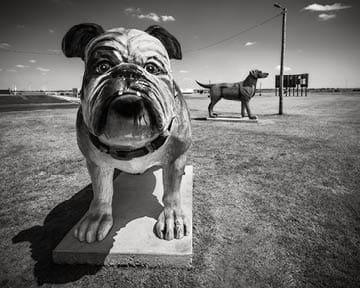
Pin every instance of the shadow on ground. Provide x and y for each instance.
(44, 239)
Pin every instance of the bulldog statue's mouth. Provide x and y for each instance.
(130, 116)
(128, 106)
(127, 116)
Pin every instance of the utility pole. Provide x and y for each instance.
(283, 37)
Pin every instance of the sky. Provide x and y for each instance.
(322, 39)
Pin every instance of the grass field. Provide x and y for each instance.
(276, 204)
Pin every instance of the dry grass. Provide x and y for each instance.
(276, 204)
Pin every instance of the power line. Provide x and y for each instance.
(233, 36)
(185, 52)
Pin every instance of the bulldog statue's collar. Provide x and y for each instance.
(120, 154)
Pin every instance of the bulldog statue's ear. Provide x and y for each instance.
(76, 39)
(171, 44)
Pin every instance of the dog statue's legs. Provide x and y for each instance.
(210, 110)
(172, 222)
(211, 107)
(242, 109)
(98, 220)
(248, 111)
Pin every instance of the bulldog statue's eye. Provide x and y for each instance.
(152, 68)
(102, 67)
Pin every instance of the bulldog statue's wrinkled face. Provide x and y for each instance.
(127, 96)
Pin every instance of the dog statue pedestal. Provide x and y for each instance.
(137, 204)
(234, 119)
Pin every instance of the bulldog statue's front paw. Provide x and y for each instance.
(96, 223)
(172, 223)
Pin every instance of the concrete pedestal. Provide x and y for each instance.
(137, 204)
(234, 119)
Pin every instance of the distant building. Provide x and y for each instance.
(5, 91)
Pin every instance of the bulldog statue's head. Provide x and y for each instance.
(128, 93)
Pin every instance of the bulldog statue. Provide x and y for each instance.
(132, 117)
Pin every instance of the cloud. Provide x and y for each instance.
(249, 44)
(51, 31)
(184, 71)
(285, 68)
(43, 69)
(22, 66)
(322, 8)
(5, 45)
(1, 69)
(166, 18)
(20, 26)
(152, 16)
(324, 16)
(11, 70)
(136, 12)
(32, 61)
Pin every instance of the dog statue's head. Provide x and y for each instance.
(128, 93)
(258, 74)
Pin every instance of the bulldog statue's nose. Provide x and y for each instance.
(127, 70)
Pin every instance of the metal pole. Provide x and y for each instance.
(283, 37)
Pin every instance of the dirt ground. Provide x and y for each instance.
(275, 204)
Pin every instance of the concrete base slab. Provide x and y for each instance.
(234, 119)
(137, 203)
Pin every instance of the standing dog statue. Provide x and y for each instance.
(132, 117)
(239, 91)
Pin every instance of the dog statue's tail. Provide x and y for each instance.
(205, 85)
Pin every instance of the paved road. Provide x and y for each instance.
(36, 104)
